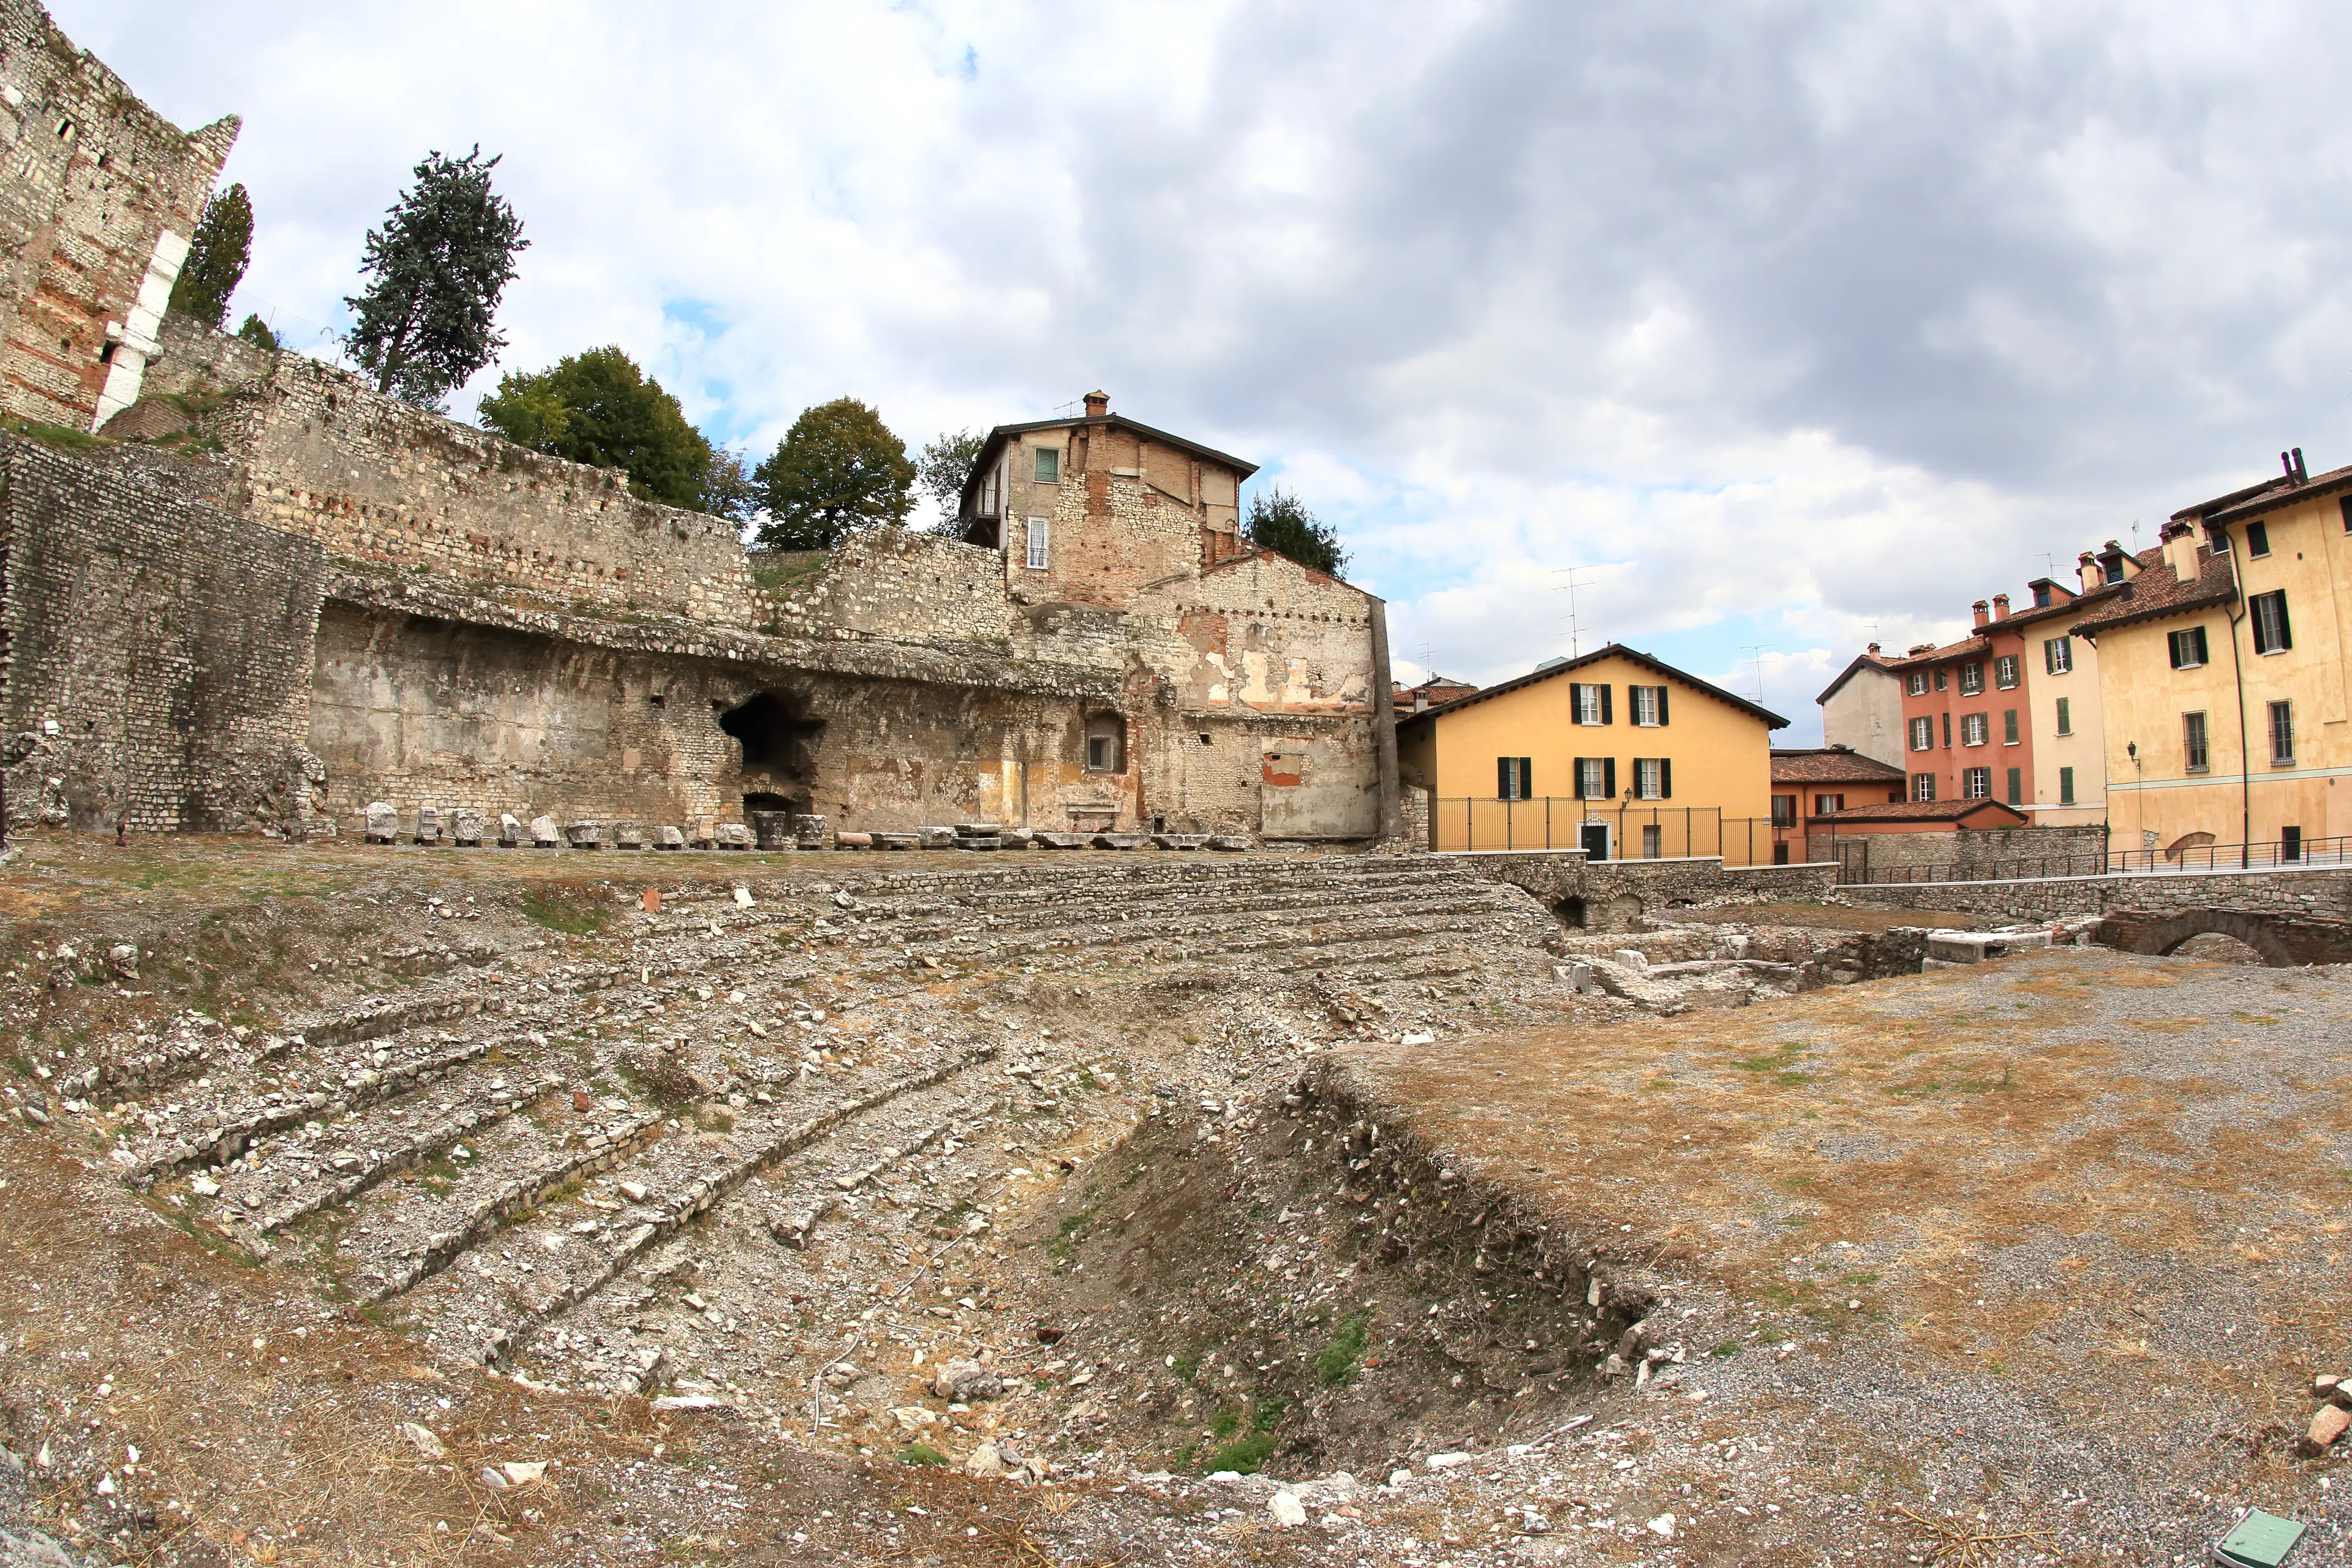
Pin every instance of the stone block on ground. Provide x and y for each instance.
(979, 841)
(895, 841)
(808, 829)
(544, 834)
(1120, 840)
(669, 838)
(732, 836)
(584, 834)
(1019, 838)
(628, 836)
(1950, 949)
(510, 829)
(382, 823)
(848, 840)
(1231, 843)
(772, 829)
(1180, 840)
(466, 828)
(935, 837)
(978, 830)
(428, 825)
(1063, 840)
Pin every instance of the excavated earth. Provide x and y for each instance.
(417, 1206)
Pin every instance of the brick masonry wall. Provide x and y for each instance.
(158, 650)
(94, 180)
(2311, 892)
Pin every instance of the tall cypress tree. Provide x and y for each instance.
(216, 259)
(439, 267)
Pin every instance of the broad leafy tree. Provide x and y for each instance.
(599, 408)
(836, 472)
(216, 259)
(1279, 522)
(943, 468)
(437, 270)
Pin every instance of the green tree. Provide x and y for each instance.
(728, 489)
(439, 266)
(1279, 522)
(836, 472)
(942, 469)
(256, 331)
(216, 259)
(599, 408)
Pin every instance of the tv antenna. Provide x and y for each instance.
(1575, 626)
(1756, 652)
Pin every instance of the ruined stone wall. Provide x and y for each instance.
(1619, 895)
(192, 358)
(320, 454)
(2303, 892)
(98, 200)
(1967, 853)
(898, 584)
(157, 653)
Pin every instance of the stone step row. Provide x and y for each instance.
(678, 1205)
(221, 1144)
(379, 1166)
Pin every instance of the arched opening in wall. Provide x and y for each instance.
(1106, 744)
(2217, 947)
(1571, 915)
(778, 741)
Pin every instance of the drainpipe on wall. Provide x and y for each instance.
(2245, 752)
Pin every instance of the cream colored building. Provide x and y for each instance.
(2224, 673)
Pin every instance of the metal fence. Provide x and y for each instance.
(1857, 867)
(1603, 830)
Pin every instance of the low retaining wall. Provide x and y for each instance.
(2323, 893)
(1617, 895)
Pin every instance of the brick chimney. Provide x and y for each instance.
(1984, 616)
(2000, 606)
(1097, 404)
(1873, 650)
(2087, 569)
(2180, 551)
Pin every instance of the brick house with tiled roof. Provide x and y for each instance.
(1824, 781)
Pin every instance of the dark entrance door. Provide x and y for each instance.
(1595, 837)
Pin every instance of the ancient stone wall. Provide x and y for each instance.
(2313, 892)
(897, 584)
(158, 650)
(1619, 895)
(319, 453)
(100, 198)
(1967, 853)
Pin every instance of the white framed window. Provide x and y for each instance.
(2004, 671)
(2196, 755)
(1923, 786)
(1971, 679)
(1972, 729)
(2281, 730)
(2058, 654)
(1923, 735)
(1515, 778)
(2187, 648)
(1826, 805)
(1594, 778)
(1589, 703)
(1649, 705)
(1916, 683)
(1041, 543)
(1653, 778)
(1976, 783)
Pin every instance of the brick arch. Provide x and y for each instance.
(2281, 940)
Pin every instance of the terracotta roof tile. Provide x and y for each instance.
(1832, 765)
(2158, 591)
(1920, 811)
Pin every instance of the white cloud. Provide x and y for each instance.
(1793, 322)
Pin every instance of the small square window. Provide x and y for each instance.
(1049, 465)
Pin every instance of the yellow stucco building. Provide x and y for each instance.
(2223, 671)
(1613, 752)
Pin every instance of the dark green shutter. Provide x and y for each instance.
(1605, 717)
(1665, 766)
(2016, 787)
(1502, 778)
(1661, 705)
(1608, 774)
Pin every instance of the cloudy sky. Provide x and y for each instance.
(1788, 325)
